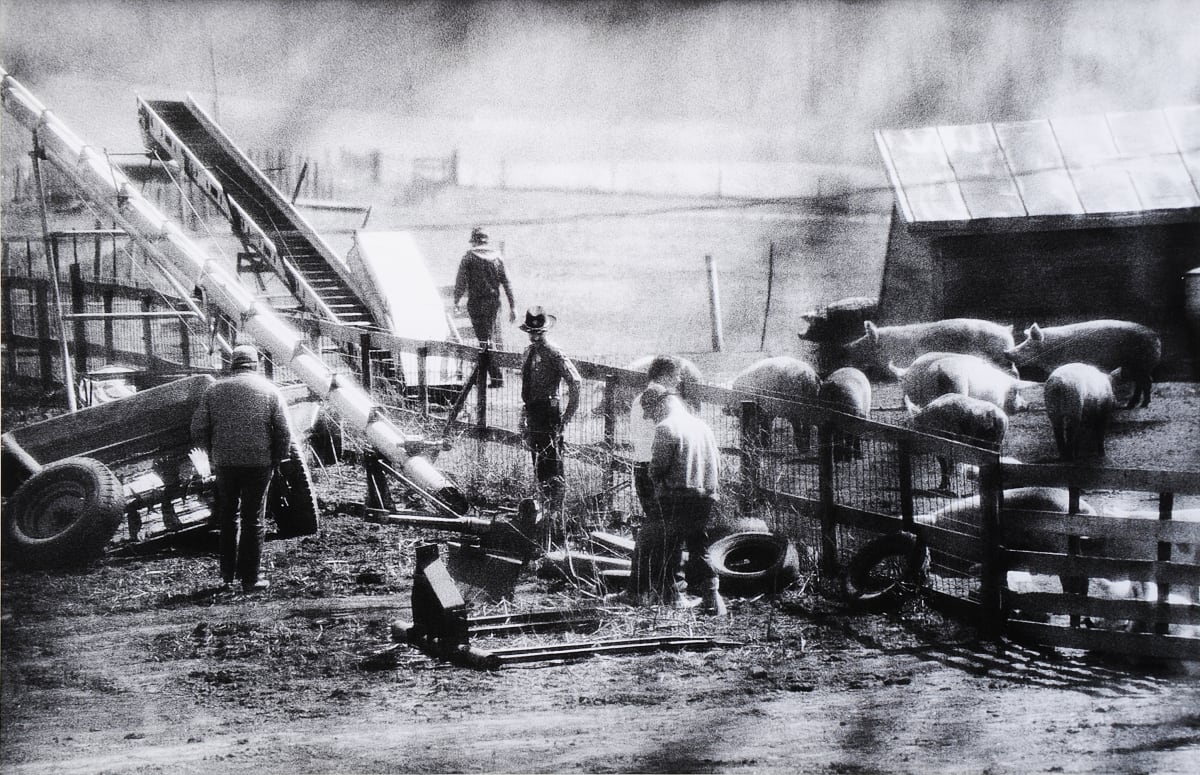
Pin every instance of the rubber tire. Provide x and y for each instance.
(79, 504)
(752, 563)
(291, 501)
(867, 587)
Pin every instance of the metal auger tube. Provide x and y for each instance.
(109, 188)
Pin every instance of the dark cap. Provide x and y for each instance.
(244, 356)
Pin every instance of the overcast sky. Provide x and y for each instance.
(805, 81)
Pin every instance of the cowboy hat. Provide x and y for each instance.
(537, 321)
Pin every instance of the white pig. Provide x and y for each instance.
(937, 373)
(847, 390)
(1105, 344)
(958, 415)
(1079, 401)
(783, 377)
(903, 344)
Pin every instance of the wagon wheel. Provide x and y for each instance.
(64, 514)
(291, 501)
(887, 570)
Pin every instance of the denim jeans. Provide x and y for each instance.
(244, 489)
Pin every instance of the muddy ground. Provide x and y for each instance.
(140, 665)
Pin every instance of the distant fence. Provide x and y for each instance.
(831, 504)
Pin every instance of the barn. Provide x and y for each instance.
(1049, 221)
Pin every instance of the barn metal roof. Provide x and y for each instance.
(1134, 163)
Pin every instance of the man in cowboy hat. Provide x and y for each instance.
(481, 275)
(545, 368)
(242, 423)
(685, 468)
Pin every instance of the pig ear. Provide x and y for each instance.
(1035, 333)
(872, 334)
(913, 409)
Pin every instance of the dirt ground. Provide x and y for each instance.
(141, 665)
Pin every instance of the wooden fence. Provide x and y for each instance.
(830, 504)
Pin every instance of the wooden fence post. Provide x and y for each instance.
(714, 304)
(610, 436)
(481, 376)
(993, 570)
(148, 331)
(423, 379)
(1166, 503)
(10, 330)
(79, 329)
(905, 472)
(751, 446)
(829, 547)
(185, 343)
(45, 341)
(110, 344)
(96, 255)
(364, 360)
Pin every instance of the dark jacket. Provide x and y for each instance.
(242, 420)
(480, 277)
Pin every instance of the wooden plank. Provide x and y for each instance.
(1102, 567)
(1108, 641)
(1024, 524)
(1092, 478)
(1131, 610)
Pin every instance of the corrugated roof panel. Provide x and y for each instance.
(1185, 126)
(936, 202)
(1191, 160)
(1117, 163)
(1085, 141)
(1162, 182)
(1144, 133)
(1105, 189)
(918, 156)
(1029, 146)
(1049, 192)
(983, 178)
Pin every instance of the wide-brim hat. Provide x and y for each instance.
(537, 320)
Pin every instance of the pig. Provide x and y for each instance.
(958, 415)
(903, 344)
(1106, 344)
(783, 377)
(1079, 401)
(670, 370)
(938, 373)
(846, 390)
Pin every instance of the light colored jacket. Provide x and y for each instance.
(242, 420)
(686, 456)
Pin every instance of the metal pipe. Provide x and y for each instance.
(110, 189)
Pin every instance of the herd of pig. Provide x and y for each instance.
(961, 378)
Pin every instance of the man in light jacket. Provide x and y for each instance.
(242, 423)
(685, 469)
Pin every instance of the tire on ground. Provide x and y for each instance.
(887, 569)
(63, 515)
(291, 501)
(751, 563)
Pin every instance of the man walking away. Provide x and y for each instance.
(242, 423)
(481, 275)
(542, 420)
(685, 467)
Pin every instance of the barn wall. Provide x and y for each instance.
(1131, 273)
(911, 290)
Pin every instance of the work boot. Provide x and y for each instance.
(255, 586)
(714, 604)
